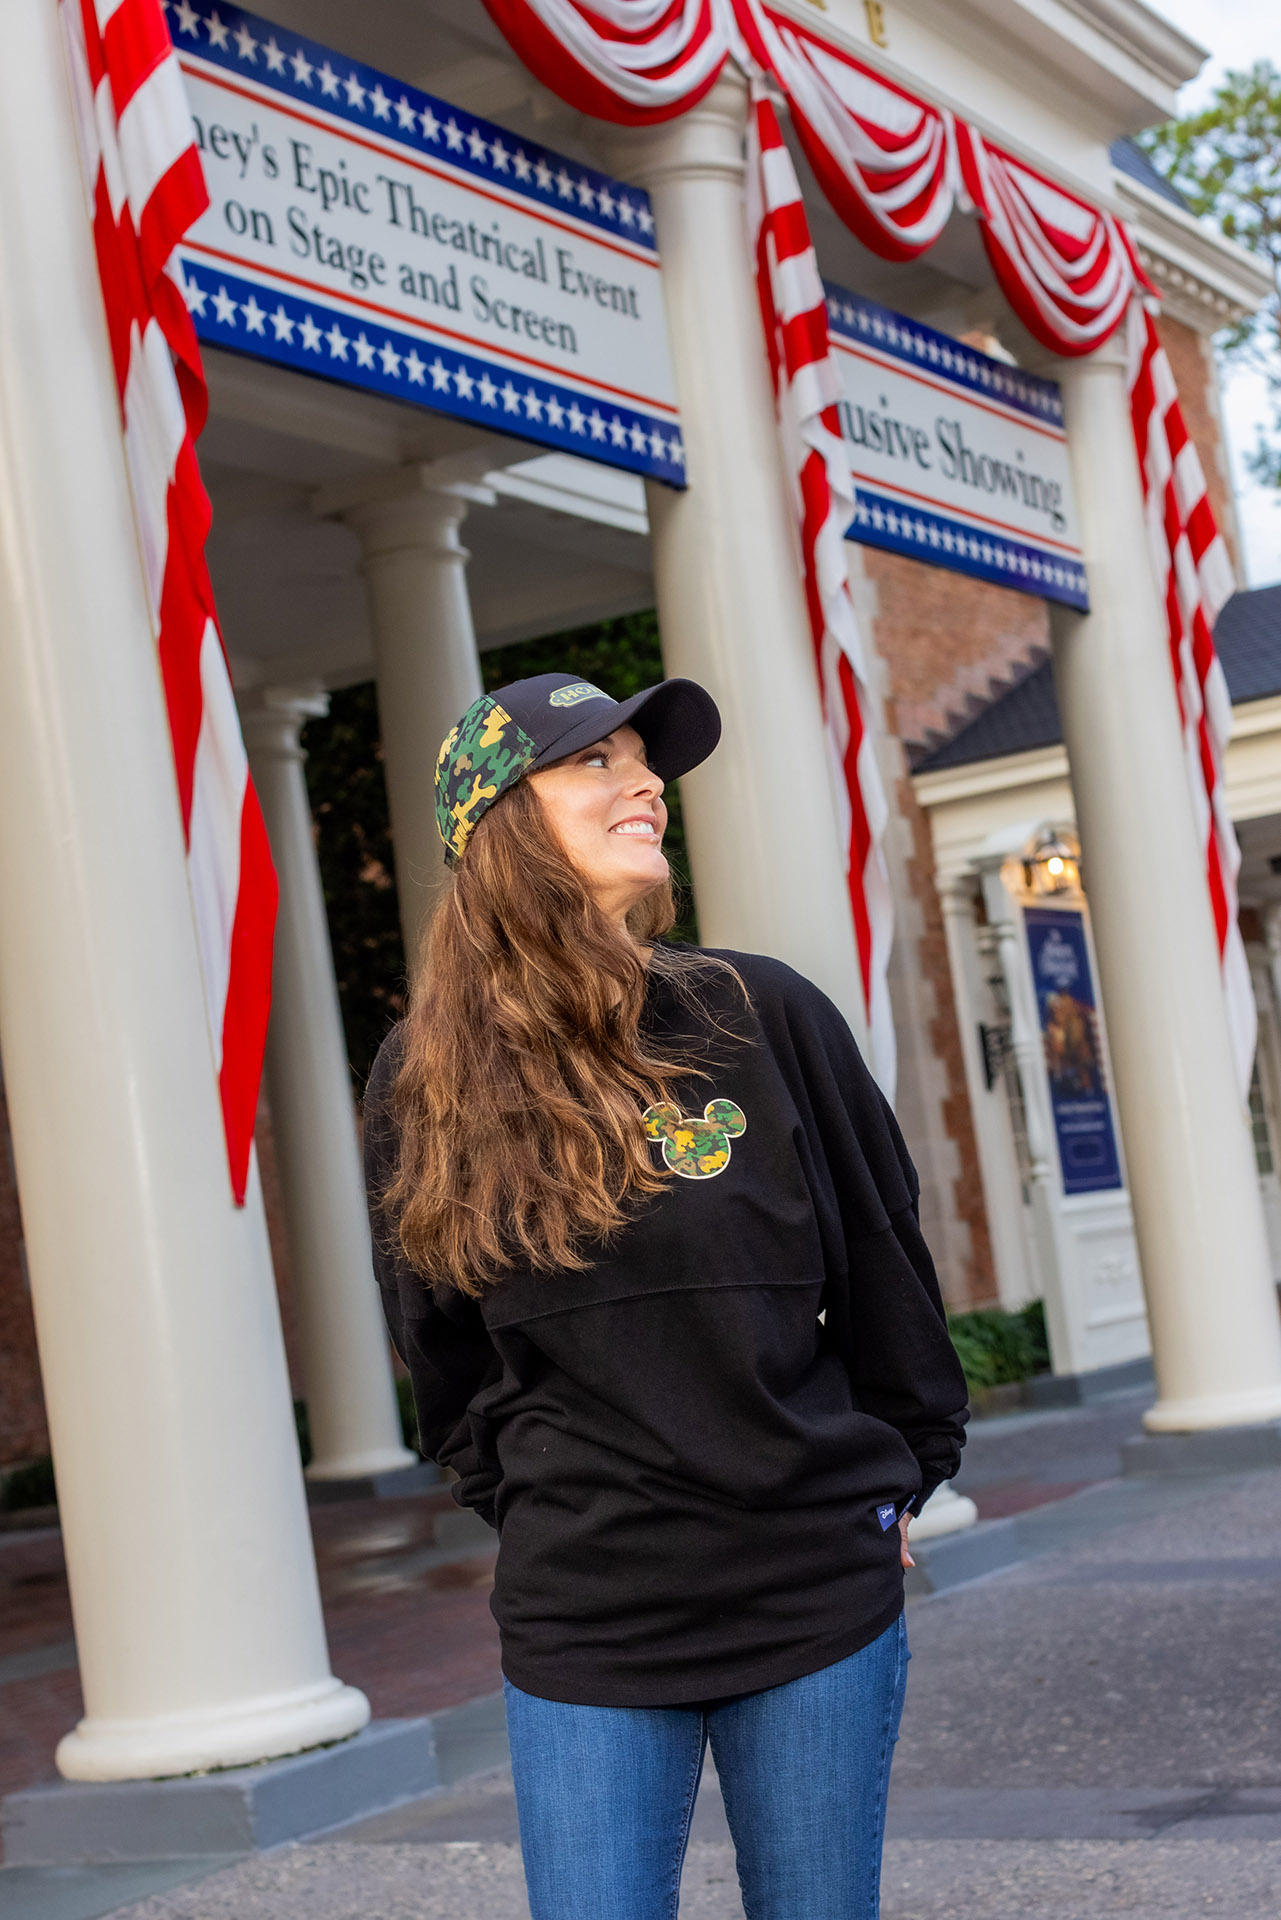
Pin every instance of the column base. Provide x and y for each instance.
(175, 1744)
(1212, 1450)
(1258, 1407)
(422, 1477)
(237, 1811)
(946, 1511)
(361, 1466)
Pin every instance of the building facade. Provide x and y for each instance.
(360, 535)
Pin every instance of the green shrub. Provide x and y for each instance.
(29, 1486)
(995, 1347)
(408, 1412)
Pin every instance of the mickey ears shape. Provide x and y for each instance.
(726, 1115)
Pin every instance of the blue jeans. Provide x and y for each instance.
(605, 1794)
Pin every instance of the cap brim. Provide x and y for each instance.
(678, 720)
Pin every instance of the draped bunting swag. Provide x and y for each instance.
(895, 168)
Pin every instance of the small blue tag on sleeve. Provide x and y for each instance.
(887, 1517)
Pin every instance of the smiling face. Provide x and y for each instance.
(607, 808)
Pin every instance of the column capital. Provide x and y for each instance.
(705, 143)
(455, 482)
(272, 719)
(1066, 368)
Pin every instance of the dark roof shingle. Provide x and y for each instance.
(1248, 638)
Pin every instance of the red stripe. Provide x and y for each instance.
(244, 1031)
(135, 42)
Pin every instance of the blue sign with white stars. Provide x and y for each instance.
(959, 459)
(365, 232)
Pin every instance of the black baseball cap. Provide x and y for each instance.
(530, 723)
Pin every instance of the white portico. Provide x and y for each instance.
(359, 535)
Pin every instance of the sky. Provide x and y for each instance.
(1237, 33)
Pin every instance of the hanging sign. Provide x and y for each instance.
(959, 459)
(1065, 1001)
(361, 230)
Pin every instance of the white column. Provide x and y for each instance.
(1211, 1304)
(346, 1364)
(415, 568)
(768, 869)
(193, 1586)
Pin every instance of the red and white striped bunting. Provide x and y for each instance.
(1195, 575)
(807, 387)
(145, 188)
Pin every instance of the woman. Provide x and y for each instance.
(647, 1240)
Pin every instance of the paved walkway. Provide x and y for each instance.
(1093, 1731)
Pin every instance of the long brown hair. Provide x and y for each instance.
(525, 1069)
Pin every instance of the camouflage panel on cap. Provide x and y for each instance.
(479, 759)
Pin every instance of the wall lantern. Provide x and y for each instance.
(1053, 865)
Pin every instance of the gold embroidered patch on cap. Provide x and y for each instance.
(575, 695)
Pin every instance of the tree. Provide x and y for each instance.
(1226, 162)
(353, 832)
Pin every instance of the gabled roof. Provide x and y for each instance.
(1129, 158)
(1026, 715)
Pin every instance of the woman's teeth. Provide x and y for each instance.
(634, 826)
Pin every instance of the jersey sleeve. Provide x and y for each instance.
(883, 1307)
(439, 1333)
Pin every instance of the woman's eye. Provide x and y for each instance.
(598, 756)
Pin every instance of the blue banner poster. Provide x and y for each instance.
(1073, 1056)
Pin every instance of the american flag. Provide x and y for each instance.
(145, 189)
(1195, 576)
(807, 387)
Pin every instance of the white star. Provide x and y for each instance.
(439, 375)
(533, 405)
(638, 437)
(577, 418)
(337, 342)
(225, 308)
(657, 445)
(499, 155)
(520, 162)
(217, 32)
(431, 125)
(390, 359)
(188, 20)
(596, 424)
(605, 201)
(380, 103)
(405, 115)
(329, 82)
(617, 432)
(364, 350)
(586, 194)
(476, 145)
(355, 92)
(255, 317)
(303, 69)
(247, 45)
(645, 219)
(555, 412)
(564, 185)
(677, 452)
(488, 391)
(511, 399)
(311, 334)
(626, 210)
(194, 296)
(465, 384)
(273, 55)
(414, 367)
(543, 175)
(283, 324)
(453, 135)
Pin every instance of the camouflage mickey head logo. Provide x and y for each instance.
(698, 1149)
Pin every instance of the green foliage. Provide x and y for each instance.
(995, 1347)
(353, 833)
(408, 1412)
(1226, 161)
(29, 1486)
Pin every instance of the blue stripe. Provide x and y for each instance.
(943, 541)
(248, 318)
